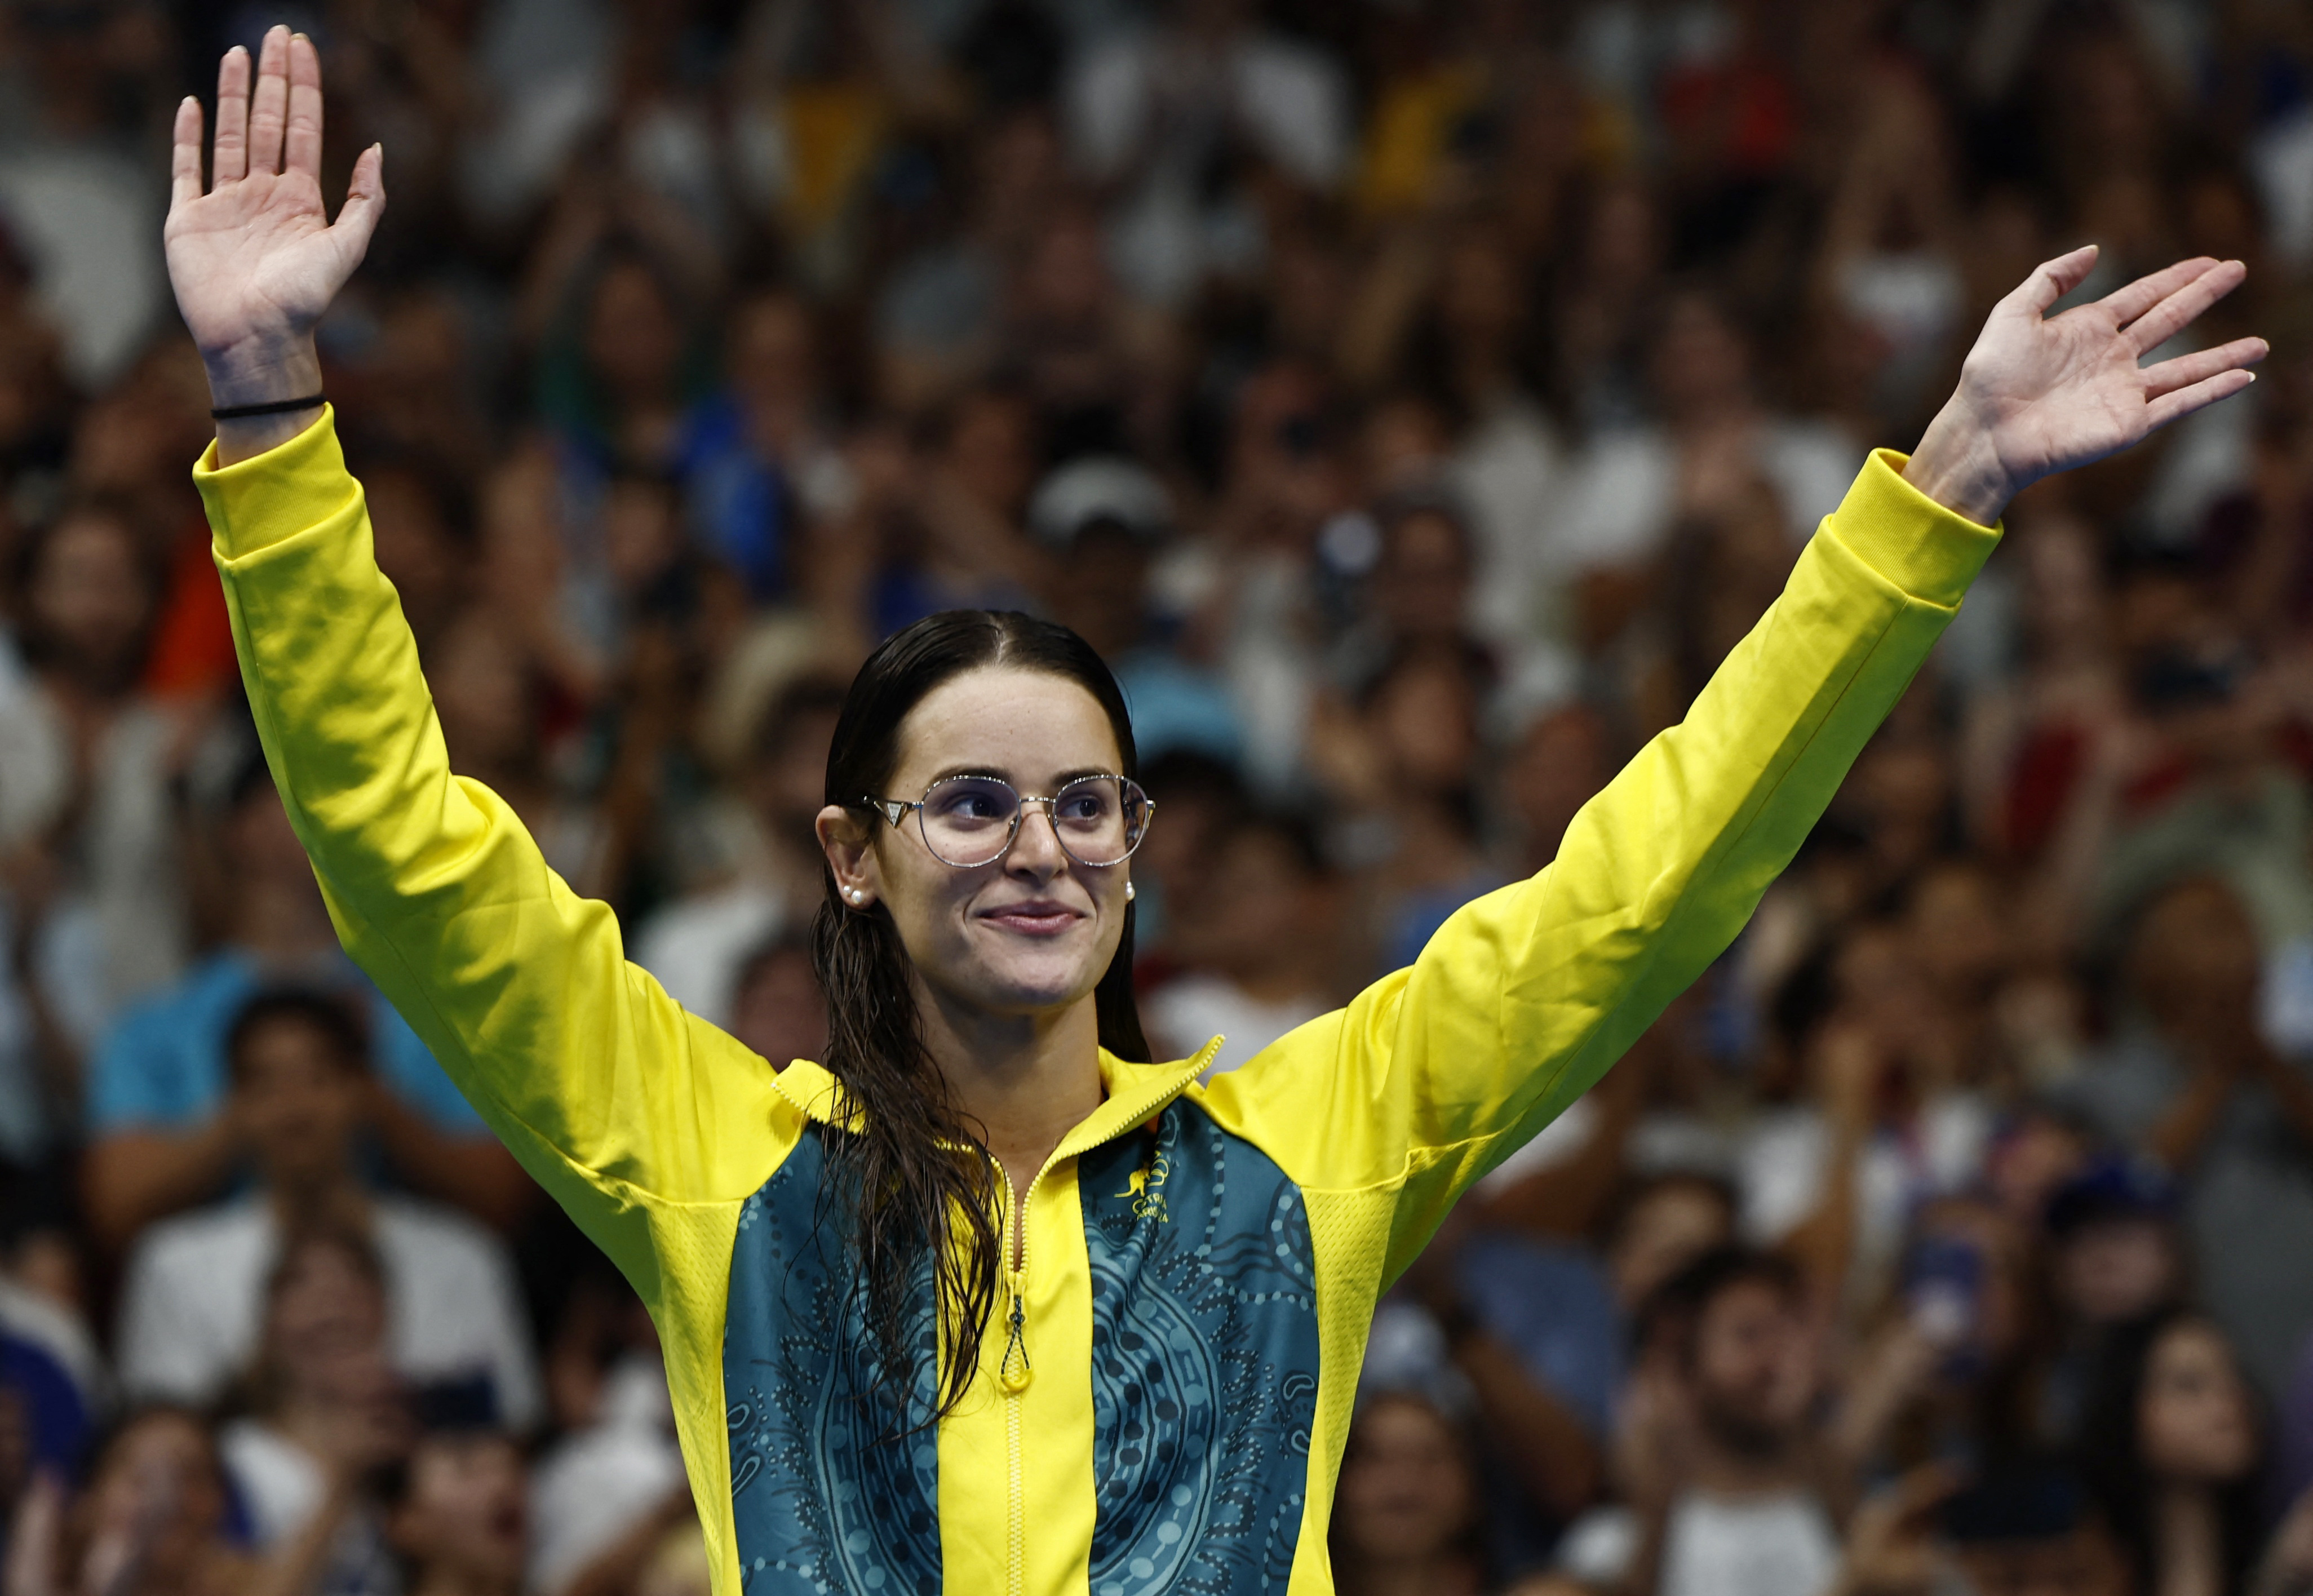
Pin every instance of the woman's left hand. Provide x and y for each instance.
(2041, 394)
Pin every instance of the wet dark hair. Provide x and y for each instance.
(913, 1172)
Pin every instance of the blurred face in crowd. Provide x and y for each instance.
(1406, 1491)
(790, 774)
(89, 600)
(2196, 960)
(261, 847)
(642, 535)
(413, 545)
(779, 1011)
(2111, 1271)
(1751, 1372)
(1422, 584)
(2194, 1420)
(298, 1102)
(482, 693)
(1101, 595)
(1034, 930)
(1668, 1228)
(772, 361)
(158, 1485)
(466, 1516)
(1557, 768)
(990, 451)
(1958, 926)
(633, 337)
(325, 1317)
(1423, 720)
(1261, 904)
(1702, 367)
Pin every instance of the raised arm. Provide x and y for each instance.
(1526, 997)
(602, 1085)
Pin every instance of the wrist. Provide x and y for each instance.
(263, 370)
(1956, 466)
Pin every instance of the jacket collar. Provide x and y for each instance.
(1133, 1093)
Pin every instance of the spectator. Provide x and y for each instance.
(1408, 1505)
(325, 1408)
(456, 1513)
(1717, 1444)
(2170, 1445)
(193, 1307)
(2200, 1090)
(159, 1085)
(1257, 945)
(696, 945)
(779, 1011)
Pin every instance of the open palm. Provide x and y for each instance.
(2041, 394)
(254, 259)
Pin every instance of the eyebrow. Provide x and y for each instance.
(1062, 780)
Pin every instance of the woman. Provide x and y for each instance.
(985, 1301)
(1410, 1518)
(325, 1409)
(2171, 1446)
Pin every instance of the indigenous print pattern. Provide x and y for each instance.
(827, 1494)
(1204, 1361)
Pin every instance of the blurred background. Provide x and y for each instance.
(1413, 399)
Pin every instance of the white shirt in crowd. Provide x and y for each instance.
(1185, 1015)
(194, 1301)
(1777, 1543)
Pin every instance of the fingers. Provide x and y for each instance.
(364, 203)
(185, 154)
(269, 103)
(2173, 314)
(2126, 304)
(303, 151)
(2053, 279)
(2186, 370)
(2184, 401)
(231, 162)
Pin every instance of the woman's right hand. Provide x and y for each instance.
(254, 259)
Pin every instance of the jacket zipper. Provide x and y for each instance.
(1015, 1372)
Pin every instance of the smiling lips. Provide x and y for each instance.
(1037, 916)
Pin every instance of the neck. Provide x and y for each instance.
(1727, 1470)
(2189, 1551)
(301, 1200)
(461, 1581)
(1027, 1079)
(1408, 1576)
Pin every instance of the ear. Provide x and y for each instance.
(847, 839)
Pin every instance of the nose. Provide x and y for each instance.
(1036, 847)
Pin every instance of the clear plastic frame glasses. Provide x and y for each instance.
(971, 820)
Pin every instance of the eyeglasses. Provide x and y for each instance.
(971, 820)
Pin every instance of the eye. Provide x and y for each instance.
(971, 801)
(1087, 802)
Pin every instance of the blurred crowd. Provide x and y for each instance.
(1414, 400)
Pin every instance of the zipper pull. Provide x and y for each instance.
(1014, 1372)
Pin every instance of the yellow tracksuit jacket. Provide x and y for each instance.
(1201, 1261)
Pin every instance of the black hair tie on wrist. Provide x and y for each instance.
(276, 407)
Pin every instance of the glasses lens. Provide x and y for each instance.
(969, 818)
(1101, 819)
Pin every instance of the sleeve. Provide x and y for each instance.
(1440, 1071)
(608, 1092)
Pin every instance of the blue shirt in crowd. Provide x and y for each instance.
(163, 1066)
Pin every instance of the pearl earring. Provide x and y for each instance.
(855, 894)
(1127, 891)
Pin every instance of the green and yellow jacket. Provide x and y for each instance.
(1200, 1261)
